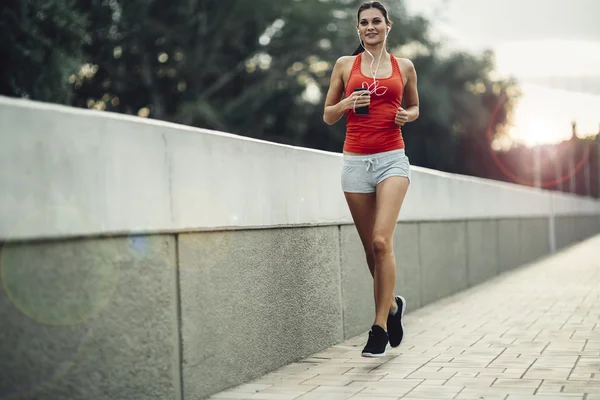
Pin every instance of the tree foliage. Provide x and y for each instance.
(258, 69)
(40, 47)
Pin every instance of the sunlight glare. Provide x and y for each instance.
(536, 129)
(548, 58)
(544, 115)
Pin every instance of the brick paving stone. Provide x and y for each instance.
(529, 334)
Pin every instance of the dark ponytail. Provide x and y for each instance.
(358, 50)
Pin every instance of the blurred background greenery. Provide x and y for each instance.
(261, 69)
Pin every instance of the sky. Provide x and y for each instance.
(551, 46)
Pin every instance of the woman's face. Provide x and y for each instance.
(372, 26)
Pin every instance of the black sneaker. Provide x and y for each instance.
(395, 324)
(377, 343)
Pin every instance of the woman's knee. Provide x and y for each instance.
(381, 245)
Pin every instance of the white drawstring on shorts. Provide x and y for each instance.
(371, 162)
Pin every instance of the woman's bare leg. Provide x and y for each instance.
(362, 209)
(390, 195)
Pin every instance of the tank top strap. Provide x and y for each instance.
(356, 64)
(395, 66)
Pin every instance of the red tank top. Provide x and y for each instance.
(376, 132)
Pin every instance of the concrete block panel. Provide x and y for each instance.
(408, 264)
(565, 229)
(534, 239)
(443, 255)
(579, 228)
(588, 226)
(253, 301)
(85, 155)
(482, 250)
(357, 284)
(574, 229)
(509, 244)
(89, 319)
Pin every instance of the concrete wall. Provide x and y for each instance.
(69, 172)
(155, 317)
(89, 319)
(145, 260)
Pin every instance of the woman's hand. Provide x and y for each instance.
(358, 99)
(401, 116)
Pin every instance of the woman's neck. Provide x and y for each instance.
(376, 51)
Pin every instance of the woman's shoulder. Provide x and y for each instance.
(407, 68)
(343, 65)
(345, 60)
(405, 63)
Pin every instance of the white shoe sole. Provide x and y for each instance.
(370, 355)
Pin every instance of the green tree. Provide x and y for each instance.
(259, 69)
(40, 48)
(241, 67)
(461, 102)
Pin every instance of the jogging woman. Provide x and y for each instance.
(370, 87)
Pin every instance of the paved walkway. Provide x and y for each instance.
(533, 333)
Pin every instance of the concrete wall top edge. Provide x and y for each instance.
(67, 171)
(66, 110)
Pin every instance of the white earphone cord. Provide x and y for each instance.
(374, 74)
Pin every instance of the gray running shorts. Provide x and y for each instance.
(361, 174)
